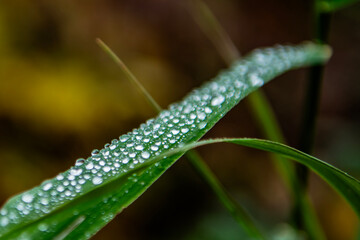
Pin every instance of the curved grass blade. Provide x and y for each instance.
(236, 210)
(79, 202)
(342, 182)
(304, 215)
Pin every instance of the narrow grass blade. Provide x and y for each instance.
(304, 215)
(194, 158)
(129, 75)
(342, 182)
(83, 199)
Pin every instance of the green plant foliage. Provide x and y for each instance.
(345, 184)
(77, 203)
(333, 5)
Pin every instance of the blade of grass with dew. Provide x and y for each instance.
(343, 183)
(263, 114)
(194, 158)
(79, 202)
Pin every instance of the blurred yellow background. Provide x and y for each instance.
(61, 97)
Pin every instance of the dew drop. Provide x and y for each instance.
(202, 125)
(201, 115)
(47, 186)
(145, 155)
(208, 110)
(4, 221)
(79, 162)
(192, 116)
(139, 147)
(89, 166)
(125, 160)
(95, 152)
(60, 188)
(43, 227)
(154, 148)
(75, 172)
(123, 138)
(218, 100)
(44, 201)
(256, 80)
(106, 169)
(184, 130)
(27, 198)
(60, 177)
(175, 131)
(97, 180)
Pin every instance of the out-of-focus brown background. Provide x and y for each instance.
(61, 97)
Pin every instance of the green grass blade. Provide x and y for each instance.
(342, 182)
(304, 216)
(326, 6)
(129, 75)
(79, 202)
(194, 158)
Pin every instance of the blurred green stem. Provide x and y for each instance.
(239, 214)
(263, 114)
(321, 25)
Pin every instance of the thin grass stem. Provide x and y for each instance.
(129, 75)
(263, 114)
(321, 25)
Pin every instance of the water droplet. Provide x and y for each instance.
(43, 227)
(79, 162)
(208, 110)
(145, 155)
(60, 188)
(218, 100)
(201, 115)
(106, 169)
(47, 186)
(44, 201)
(60, 177)
(4, 221)
(97, 180)
(202, 125)
(175, 131)
(154, 148)
(125, 160)
(95, 152)
(256, 80)
(27, 198)
(89, 166)
(139, 147)
(76, 172)
(112, 146)
(184, 130)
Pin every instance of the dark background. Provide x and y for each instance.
(61, 97)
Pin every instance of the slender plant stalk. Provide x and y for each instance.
(129, 75)
(237, 211)
(264, 116)
(321, 24)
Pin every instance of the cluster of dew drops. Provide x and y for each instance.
(179, 124)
